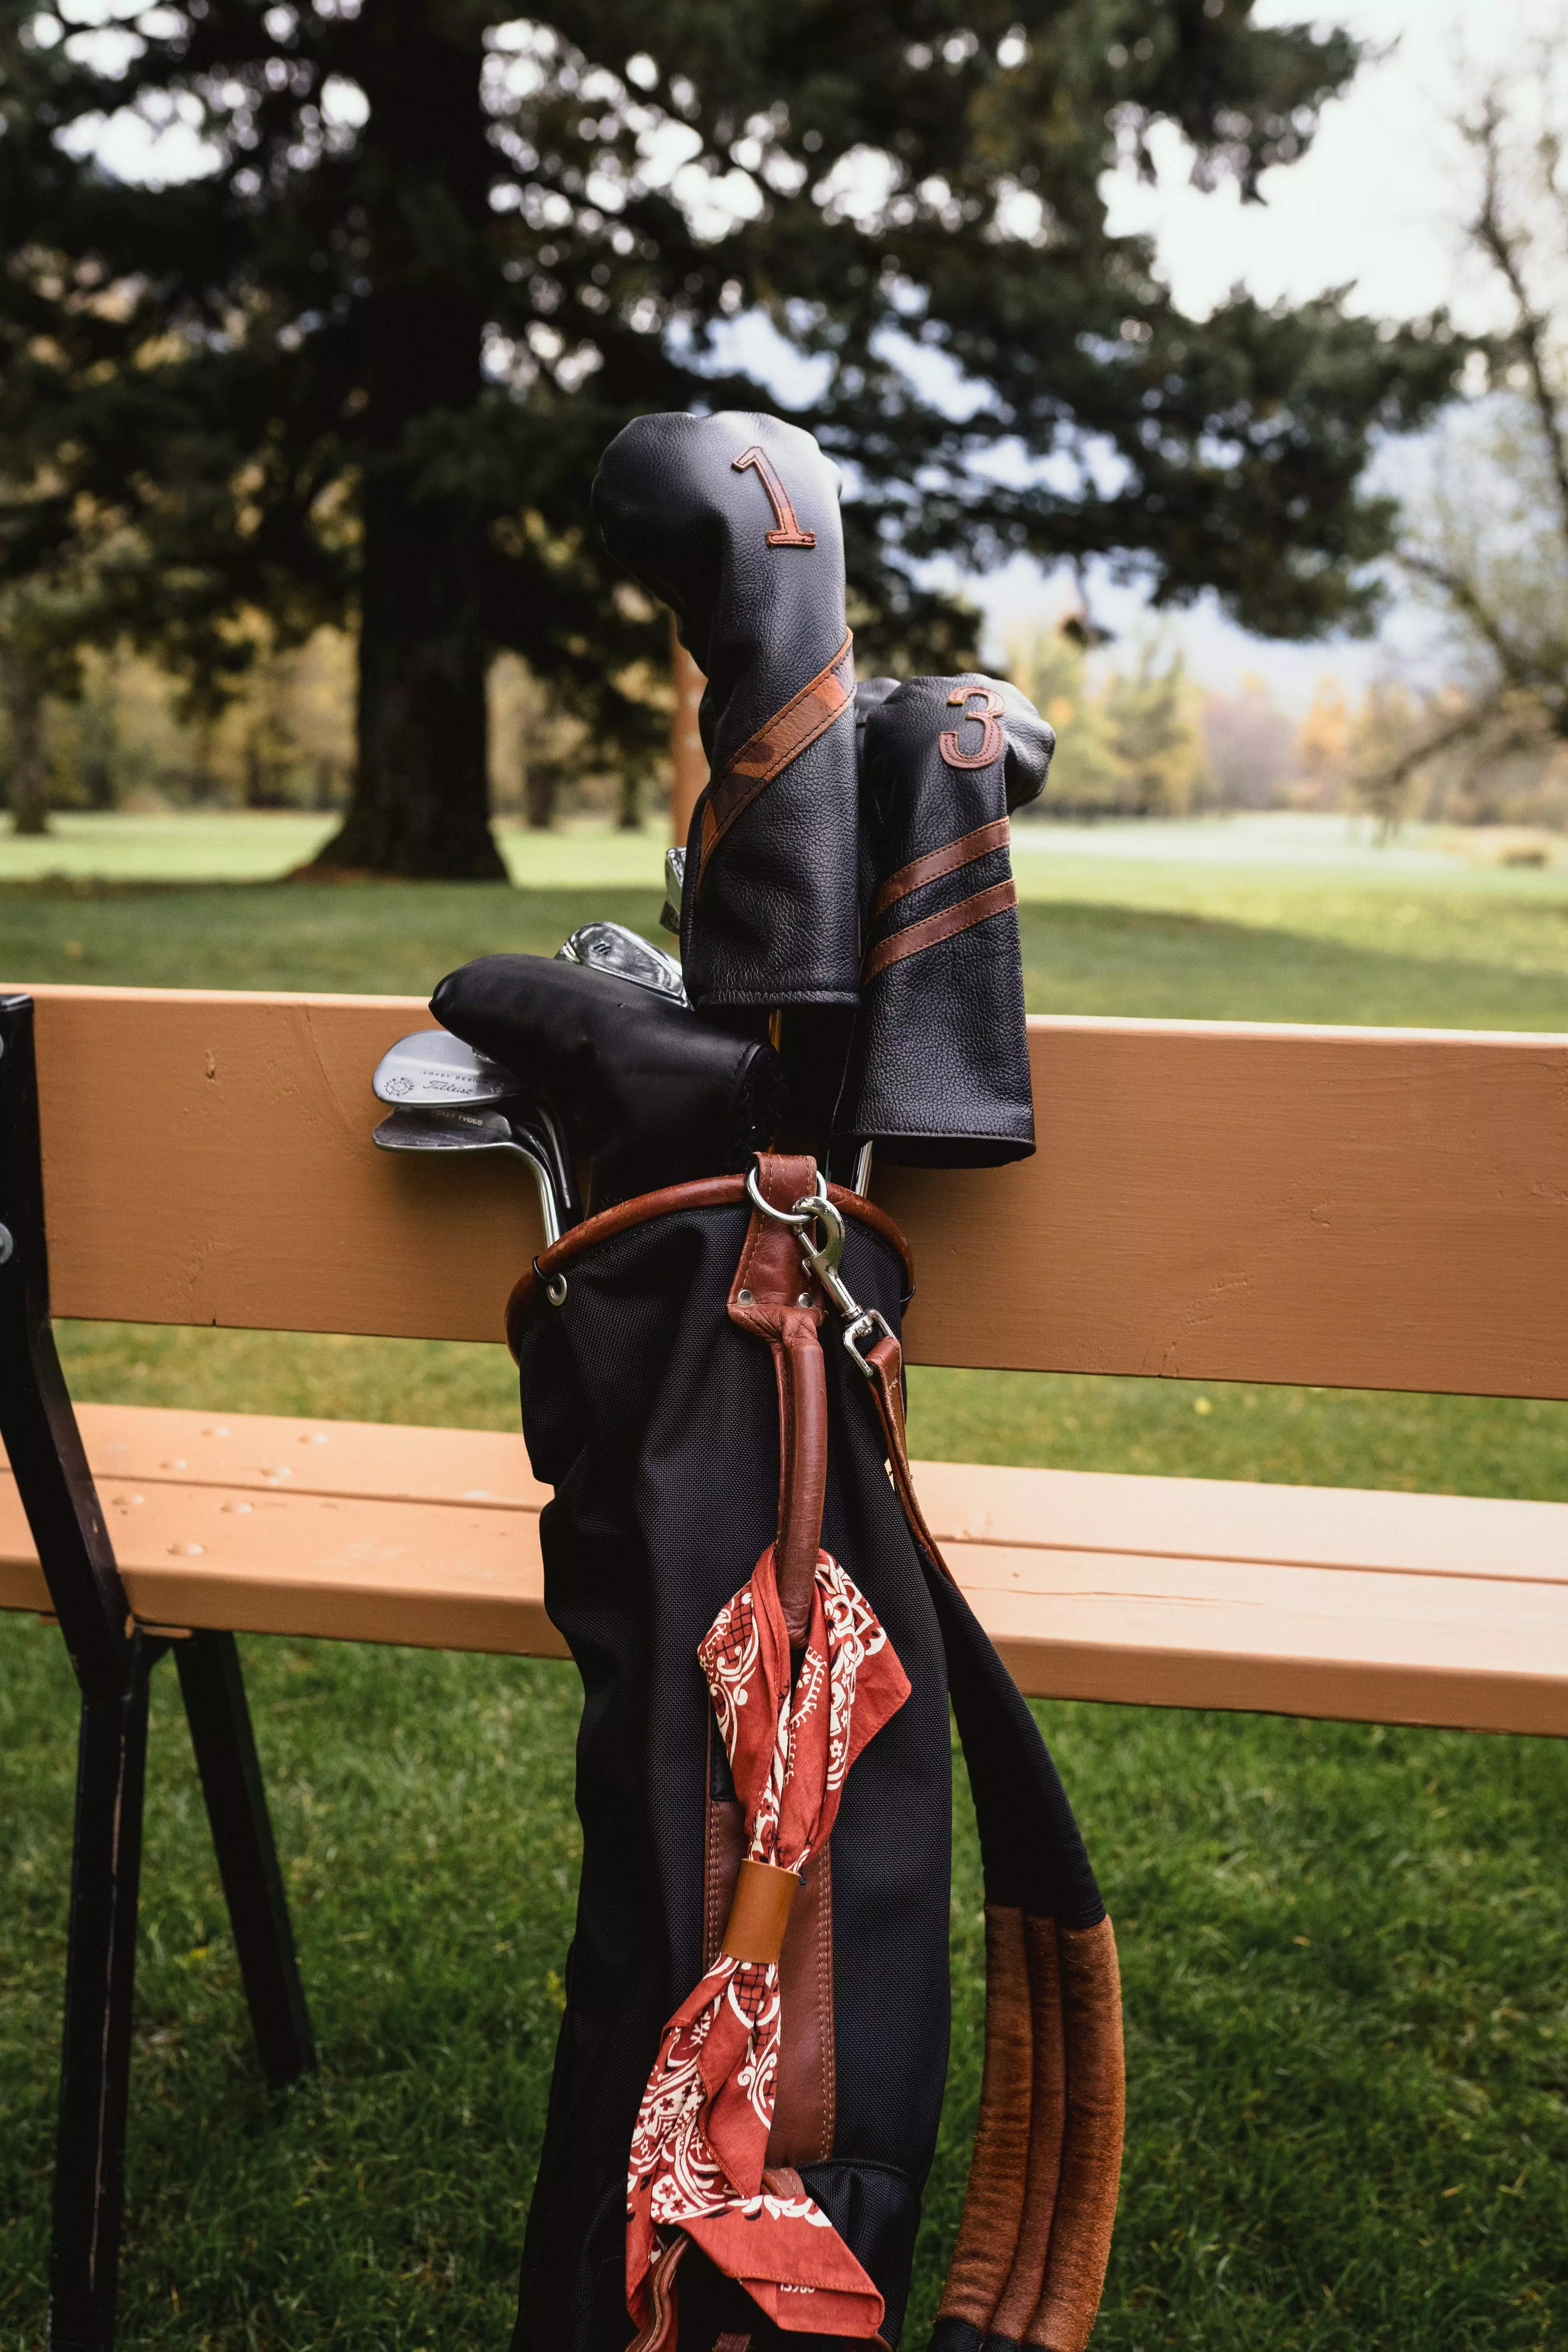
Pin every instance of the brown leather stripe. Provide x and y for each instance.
(945, 926)
(805, 716)
(1091, 2146)
(938, 862)
(993, 2202)
(759, 1913)
(1048, 2115)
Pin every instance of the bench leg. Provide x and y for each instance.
(213, 1692)
(101, 1969)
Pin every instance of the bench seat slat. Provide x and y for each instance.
(1394, 1630)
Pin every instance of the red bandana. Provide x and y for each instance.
(701, 2136)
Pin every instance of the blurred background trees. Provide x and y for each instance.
(320, 315)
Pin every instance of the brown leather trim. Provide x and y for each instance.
(885, 1364)
(993, 2202)
(915, 936)
(938, 862)
(1091, 2145)
(662, 2332)
(1015, 2155)
(805, 2093)
(759, 1913)
(775, 1297)
(805, 716)
(1048, 2115)
(703, 1192)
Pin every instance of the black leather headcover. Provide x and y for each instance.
(651, 1094)
(939, 1068)
(690, 504)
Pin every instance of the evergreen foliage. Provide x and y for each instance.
(390, 273)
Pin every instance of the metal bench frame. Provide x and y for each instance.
(113, 1658)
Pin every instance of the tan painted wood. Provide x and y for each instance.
(268, 1453)
(1374, 1207)
(1088, 1585)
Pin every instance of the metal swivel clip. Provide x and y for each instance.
(814, 1212)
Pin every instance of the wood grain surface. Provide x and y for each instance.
(1151, 1590)
(1341, 1207)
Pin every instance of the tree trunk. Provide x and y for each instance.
(29, 761)
(421, 796)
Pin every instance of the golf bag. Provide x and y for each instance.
(750, 2065)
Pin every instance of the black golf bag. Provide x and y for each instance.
(716, 1396)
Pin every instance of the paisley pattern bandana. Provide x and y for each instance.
(701, 2143)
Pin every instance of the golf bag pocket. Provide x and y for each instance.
(752, 2061)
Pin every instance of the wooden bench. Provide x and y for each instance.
(1362, 1208)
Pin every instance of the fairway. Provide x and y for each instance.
(1345, 1948)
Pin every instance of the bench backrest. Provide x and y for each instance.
(1343, 1207)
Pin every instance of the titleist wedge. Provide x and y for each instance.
(447, 1130)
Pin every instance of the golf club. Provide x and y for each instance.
(432, 1070)
(610, 946)
(674, 884)
(446, 1130)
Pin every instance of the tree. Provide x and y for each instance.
(1485, 537)
(424, 259)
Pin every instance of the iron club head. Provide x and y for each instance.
(449, 1129)
(432, 1069)
(610, 946)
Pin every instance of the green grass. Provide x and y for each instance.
(1343, 1948)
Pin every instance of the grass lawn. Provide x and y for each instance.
(1344, 1948)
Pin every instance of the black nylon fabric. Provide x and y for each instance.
(656, 1422)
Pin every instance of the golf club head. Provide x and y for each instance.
(674, 884)
(432, 1069)
(610, 946)
(446, 1129)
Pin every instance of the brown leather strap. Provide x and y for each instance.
(1047, 2116)
(993, 2202)
(805, 716)
(672, 1200)
(759, 1911)
(1092, 2143)
(885, 1362)
(774, 1296)
(915, 936)
(1035, 2237)
(662, 2332)
(938, 862)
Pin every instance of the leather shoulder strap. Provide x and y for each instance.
(1029, 2263)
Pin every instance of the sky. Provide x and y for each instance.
(1377, 204)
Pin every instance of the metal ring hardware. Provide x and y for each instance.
(553, 1285)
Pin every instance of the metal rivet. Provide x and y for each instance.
(6, 1243)
(804, 1299)
(744, 1296)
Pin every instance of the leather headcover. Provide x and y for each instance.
(733, 522)
(651, 1094)
(939, 1068)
